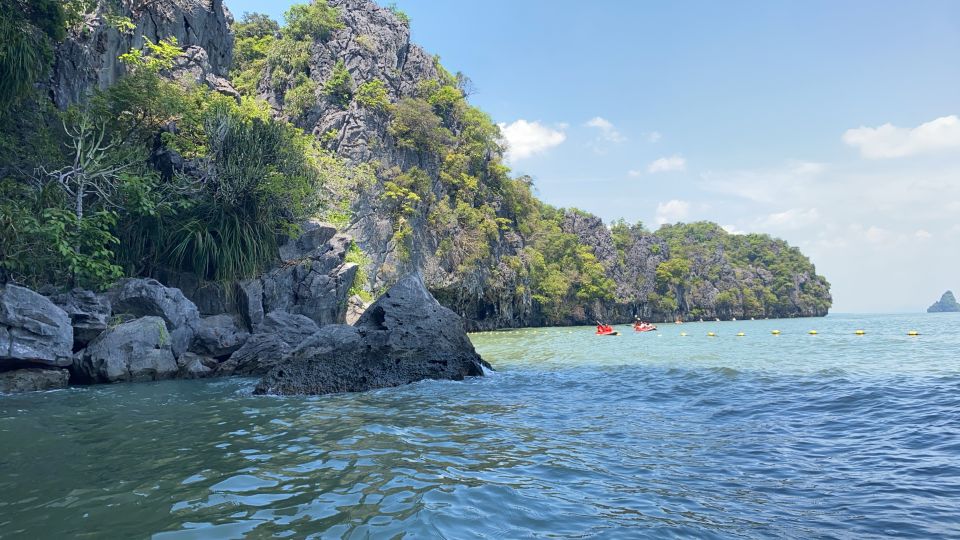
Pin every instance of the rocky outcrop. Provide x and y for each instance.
(405, 336)
(148, 297)
(194, 366)
(218, 336)
(89, 58)
(139, 350)
(33, 380)
(947, 304)
(279, 333)
(89, 314)
(312, 278)
(33, 330)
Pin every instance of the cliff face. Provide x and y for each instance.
(443, 203)
(374, 45)
(89, 59)
(718, 275)
(947, 304)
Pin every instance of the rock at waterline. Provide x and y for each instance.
(139, 350)
(404, 337)
(33, 330)
(150, 298)
(33, 380)
(947, 304)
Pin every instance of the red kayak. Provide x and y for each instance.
(604, 330)
(644, 327)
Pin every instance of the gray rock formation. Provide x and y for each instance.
(33, 330)
(149, 297)
(89, 314)
(218, 336)
(33, 380)
(89, 58)
(947, 304)
(139, 350)
(313, 279)
(279, 333)
(355, 308)
(405, 336)
(194, 366)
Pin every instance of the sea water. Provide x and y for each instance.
(651, 434)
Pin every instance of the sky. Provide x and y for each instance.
(833, 125)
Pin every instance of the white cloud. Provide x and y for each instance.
(524, 139)
(733, 229)
(675, 162)
(795, 218)
(889, 141)
(634, 173)
(608, 132)
(654, 136)
(672, 211)
(923, 234)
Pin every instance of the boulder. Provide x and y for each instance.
(33, 330)
(194, 366)
(289, 327)
(218, 336)
(277, 335)
(32, 380)
(149, 298)
(89, 314)
(139, 350)
(257, 356)
(405, 336)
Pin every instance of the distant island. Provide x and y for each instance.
(947, 304)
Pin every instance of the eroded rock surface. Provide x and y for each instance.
(405, 336)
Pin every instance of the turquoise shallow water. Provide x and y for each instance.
(575, 436)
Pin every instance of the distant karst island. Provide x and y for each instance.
(947, 304)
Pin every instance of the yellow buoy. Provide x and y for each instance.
(683, 334)
(859, 332)
(711, 334)
(775, 332)
(913, 333)
(740, 334)
(812, 332)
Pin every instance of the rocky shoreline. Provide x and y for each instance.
(289, 325)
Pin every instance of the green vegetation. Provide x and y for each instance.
(339, 86)
(373, 95)
(266, 51)
(743, 289)
(90, 197)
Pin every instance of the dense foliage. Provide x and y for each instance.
(150, 175)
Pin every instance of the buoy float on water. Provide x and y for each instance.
(775, 332)
(683, 334)
(812, 332)
(913, 333)
(711, 334)
(740, 334)
(860, 332)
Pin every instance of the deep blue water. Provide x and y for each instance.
(576, 436)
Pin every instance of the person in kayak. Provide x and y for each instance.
(603, 328)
